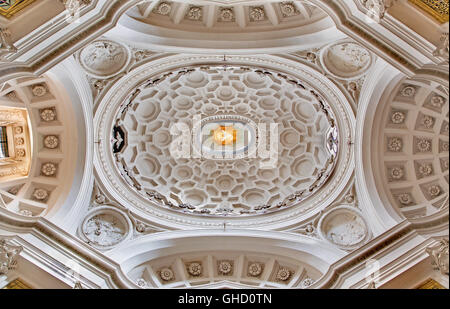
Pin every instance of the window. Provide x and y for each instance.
(4, 153)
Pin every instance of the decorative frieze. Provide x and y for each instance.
(166, 274)
(255, 269)
(39, 90)
(51, 141)
(49, 169)
(195, 269)
(226, 15)
(283, 274)
(164, 8)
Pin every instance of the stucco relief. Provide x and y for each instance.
(345, 227)
(105, 227)
(104, 58)
(201, 268)
(346, 60)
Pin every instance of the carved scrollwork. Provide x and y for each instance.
(439, 254)
(8, 256)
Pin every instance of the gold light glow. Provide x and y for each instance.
(224, 135)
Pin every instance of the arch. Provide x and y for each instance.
(303, 256)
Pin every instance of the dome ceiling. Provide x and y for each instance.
(251, 269)
(243, 26)
(253, 15)
(414, 159)
(219, 175)
(205, 138)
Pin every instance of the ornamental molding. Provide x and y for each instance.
(104, 59)
(439, 255)
(8, 256)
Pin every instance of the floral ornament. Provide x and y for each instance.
(20, 153)
(428, 122)
(423, 145)
(310, 229)
(408, 91)
(140, 227)
(141, 283)
(405, 199)
(40, 194)
(164, 8)
(434, 191)
(48, 169)
(437, 101)
(26, 213)
(195, 269)
(311, 57)
(444, 146)
(283, 274)
(195, 13)
(51, 141)
(166, 274)
(287, 9)
(48, 115)
(225, 267)
(226, 14)
(398, 118)
(352, 86)
(425, 169)
(307, 283)
(257, 14)
(397, 173)
(39, 90)
(395, 144)
(255, 269)
(19, 141)
(18, 130)
(100, 198)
